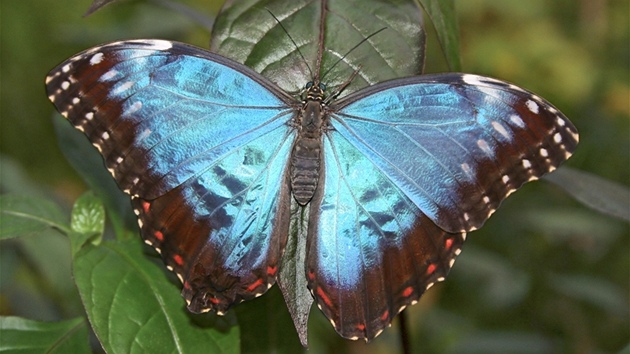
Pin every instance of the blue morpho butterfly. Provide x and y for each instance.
(212, 154)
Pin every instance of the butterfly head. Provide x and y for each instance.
(314, 91)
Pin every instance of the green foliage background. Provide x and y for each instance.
(544, 275)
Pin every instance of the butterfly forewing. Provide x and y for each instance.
(456, 144)
(201, 143)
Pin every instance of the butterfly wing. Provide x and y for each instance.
(370, 250)
(411, 165)
(456, 144)
(201, 144)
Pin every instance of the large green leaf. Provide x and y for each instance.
(246, 32)
(23, 215)
(133, 307)
(19, 335)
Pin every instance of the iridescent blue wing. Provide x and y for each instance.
(411, 165)
(456, 144)
(370, 250)
(201, 144)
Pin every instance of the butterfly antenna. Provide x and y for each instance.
(343, 86)
(351, 49)
(292, 41)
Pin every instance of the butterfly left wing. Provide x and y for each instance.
(201, 143)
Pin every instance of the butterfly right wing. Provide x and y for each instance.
(201, 143)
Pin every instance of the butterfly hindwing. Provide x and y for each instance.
(455, 144)
(201, 144)
(371, 251)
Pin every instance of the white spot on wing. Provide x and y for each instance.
(65, 68)
(133, 108)
(527, 164)
(557, 138)
(501, 129)
(124, 87)
(560, 121)
(483, 145)
(532, 106)
(466, 168)
(156, 44)
(65, 85)
(517, 120)
(544, 152)
(472, 79)
(89, 115)
(108, 75)
(96, 58)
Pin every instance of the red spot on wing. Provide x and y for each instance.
(159, 235)
(361, 327)
(448, 243)
(178, 260)
(407, 292)
(254, 285)
(214, 300)
(431, 268)
(146, 206)
(385, 316)
(311, 275)
(271, 270)
(322, 295)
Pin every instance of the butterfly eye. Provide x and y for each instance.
(309, 84)
(322, 87)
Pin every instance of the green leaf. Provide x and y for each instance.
(88, 215)
(594, 192)
(87, 221)
(133, 307)
(266, 325)
(22, 215)
(247, 33)
(443, 16)
(23, 336)
(291, 278)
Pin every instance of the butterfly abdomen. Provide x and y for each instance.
(306, 154)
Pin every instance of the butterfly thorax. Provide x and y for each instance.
(306, 154)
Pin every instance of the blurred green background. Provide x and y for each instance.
(544, 275)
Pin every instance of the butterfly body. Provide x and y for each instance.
(306, 154)
(395, 175)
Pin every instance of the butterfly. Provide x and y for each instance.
(213, 156)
